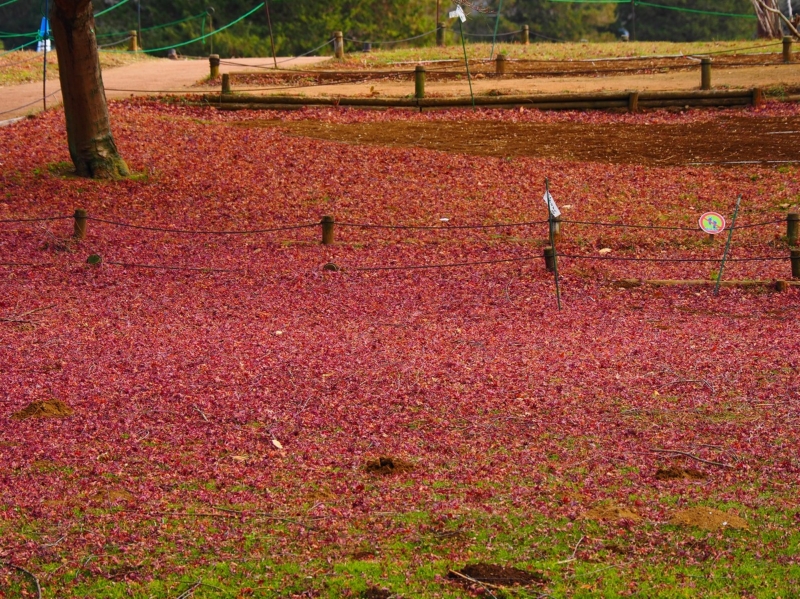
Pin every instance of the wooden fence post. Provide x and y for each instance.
(440, 34)
(327, 223)
(549, 259)
(338, 44)
(705, 73)
(787, 48)
(792, 226)
(133, 42)
(795, 258)
(79, 226)
(526, 35)
(226, 83)
(555, 228)
(500, 64)
(633, 102)
(213, 63)
(419, 82)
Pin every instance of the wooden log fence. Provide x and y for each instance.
(629, 100)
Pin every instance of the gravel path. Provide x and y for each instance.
(142, 78)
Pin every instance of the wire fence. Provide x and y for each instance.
(328, 223)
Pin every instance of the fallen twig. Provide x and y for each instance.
(689, 455)
(32, 576)
(199, 411)
(485, 585)
(188, 592)
(19, 317)
(675, 382)
(572, 557)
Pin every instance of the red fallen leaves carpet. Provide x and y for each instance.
(181, 381)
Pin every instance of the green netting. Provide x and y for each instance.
(202, 37)
(665, 6)
(21, 47)
(162, 26)
(109, 9)
(7, 3)
(8, 34)
(696, 11)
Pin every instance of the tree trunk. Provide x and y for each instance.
(769, 23)
(91, 144)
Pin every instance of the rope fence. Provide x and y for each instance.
(81, 218)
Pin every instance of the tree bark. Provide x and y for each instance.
(91, 144)
(769, 23)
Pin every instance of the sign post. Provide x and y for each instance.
(459, 13)
(552, 214)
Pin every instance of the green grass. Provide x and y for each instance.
(272, 559)
(543, 51)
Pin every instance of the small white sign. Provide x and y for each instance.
(551, 204)
(458, 12)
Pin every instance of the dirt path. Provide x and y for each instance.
(725, 140)
(169, 76)
(739, 77)
(142, 78)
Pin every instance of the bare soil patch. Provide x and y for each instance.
(52, 408)
(708, 519)
(514, 69)
(729, 138)
(494, 575)
(386, 465)
(376, 593)
(611, 513)
(676, 472)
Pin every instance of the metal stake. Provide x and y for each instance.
(466, 62)
(727, 244)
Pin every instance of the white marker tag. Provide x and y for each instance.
(458, 12)
(551, 205)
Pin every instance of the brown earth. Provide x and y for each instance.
(676, 472)
(773, 75)
(376, 593)
(708, 519)
(53, 408)
(611, 513)
(386, 465)
(726, 139)
(515, 69)
(496, 575)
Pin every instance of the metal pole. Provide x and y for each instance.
(727, 245)
(633, 12)
(437, 12)
(496, 23)
(139, 22)
(550, 225)
(271, 39)
(44, 66)
(466, 62)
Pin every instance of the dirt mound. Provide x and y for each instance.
(708, 519)
(386, 465)
(611, 513)
(676, 472)
(496, 575)
(52, 408)
(376, 593)
(116, 495)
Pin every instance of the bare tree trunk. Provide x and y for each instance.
(769, 22)
(91, 144)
